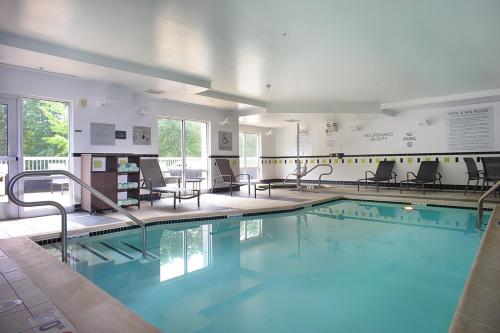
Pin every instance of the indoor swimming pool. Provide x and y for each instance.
(344, 266)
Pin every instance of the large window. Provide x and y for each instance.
(251, 229)
(249, 154)
(182, 146)
(184, 251)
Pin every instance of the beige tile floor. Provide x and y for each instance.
(220, 204)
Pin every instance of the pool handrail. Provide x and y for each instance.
(64, 219)
(479, 222)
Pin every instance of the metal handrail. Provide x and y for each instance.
(64, 219)
(480, 204)
(321, 175)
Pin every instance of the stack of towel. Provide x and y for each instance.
(129, 185)
(127, 202)
(128, 167)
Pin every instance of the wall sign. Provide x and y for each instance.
(409, 139)
(141, 135)
(378, 136)
(121, 135)
(471, 129)
(102, 134)
(225, 140)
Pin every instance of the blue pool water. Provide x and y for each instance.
(346, 266)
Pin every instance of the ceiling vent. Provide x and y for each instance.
(155, 91)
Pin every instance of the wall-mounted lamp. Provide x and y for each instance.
(423, 123)
(108, 101)
(355, 128)
(143, 111)
(225, 122)
(269, 133)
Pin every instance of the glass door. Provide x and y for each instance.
(8, 154)
(182, 149)
(249, 154)
(45, 146)
(195, 149)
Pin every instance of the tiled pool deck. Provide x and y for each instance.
(90, 309)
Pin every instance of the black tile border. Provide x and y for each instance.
(220, 217)
(385, 155)
(223, 156)
(114, 154)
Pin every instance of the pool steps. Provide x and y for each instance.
(84, 253)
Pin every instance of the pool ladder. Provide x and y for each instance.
(479, 222)
(64, 218)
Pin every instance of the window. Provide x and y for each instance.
(249, 154)
(184, 251)
(182, 149)
(250, 229)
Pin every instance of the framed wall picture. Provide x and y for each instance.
(141, 135)
(102, 134)
(99, 164)
(225, 140)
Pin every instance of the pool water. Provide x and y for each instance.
(346, 266)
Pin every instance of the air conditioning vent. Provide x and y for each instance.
(155, 91)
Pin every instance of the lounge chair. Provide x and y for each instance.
(154, 182)
(383, 173)
(427, 173)
(227, 177)
(473, 173)
(491, 167)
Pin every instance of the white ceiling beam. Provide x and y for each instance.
(484, 96)
(233, 98)
(35, 45)
(324, 107)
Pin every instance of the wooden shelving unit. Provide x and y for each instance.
(101, 171)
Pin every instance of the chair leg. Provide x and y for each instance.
(358, 184)
(467, 186)
(198, 198)
(51, 187)
(401, 187)
(423, 188)
(231, 188)
(482, 187)
(175, 200)
(376, 185)
(249, 186)
(475, 187)
(269, 189)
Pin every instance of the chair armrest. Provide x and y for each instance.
(244, 174)
(177, 179)
(439, 176)
(410, 173)
(394, 175)
(367, 172)
(146, 183)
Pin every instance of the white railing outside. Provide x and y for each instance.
(168, 163)
(45, 163)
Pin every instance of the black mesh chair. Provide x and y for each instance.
(155, 182)
(227, 177)
(491, 167)
(427, 173)
(383, 173)
(473, 173)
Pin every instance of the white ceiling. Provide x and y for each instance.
(333, 50)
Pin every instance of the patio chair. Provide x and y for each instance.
(427, 173)
(491, 167)
(384, 173)
(473, 173)
(62, 181)
(154, 182)
(227, 177)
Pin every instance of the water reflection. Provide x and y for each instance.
(184, 251)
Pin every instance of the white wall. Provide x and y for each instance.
(124, 115)
(430, 139)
